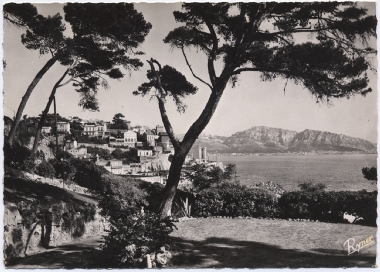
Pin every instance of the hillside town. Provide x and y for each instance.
(149, 149)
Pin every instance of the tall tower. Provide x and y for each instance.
(201, 155)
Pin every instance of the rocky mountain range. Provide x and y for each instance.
(262, 139)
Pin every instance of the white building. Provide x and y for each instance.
(46, 130)
(144, 153)
(63, 127)
(94, 129)
(130, 138)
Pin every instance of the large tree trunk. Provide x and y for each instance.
(45, 112)
(179, 157)
(169, 191)
(26, 96)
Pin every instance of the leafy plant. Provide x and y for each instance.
(132, 237)
(45, 169)
(312, 187)
(370, 173)
(203, 176)
(134, 233)
(329, 206)
(235, 201)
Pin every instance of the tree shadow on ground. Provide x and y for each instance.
(212, 252)
(78, 255)
(227, 253)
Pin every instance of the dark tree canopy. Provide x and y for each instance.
(171, 83)
(265, 38)
(105, 37)
(19, 14)
(118, 122)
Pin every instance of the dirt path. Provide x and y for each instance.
(83, 253)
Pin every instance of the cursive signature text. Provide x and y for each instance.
(356, 247)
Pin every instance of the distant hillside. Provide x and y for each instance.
(276, 140)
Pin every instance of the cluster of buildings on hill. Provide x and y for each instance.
(153, 147)
(127, 137)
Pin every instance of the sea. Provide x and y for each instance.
(340, 172)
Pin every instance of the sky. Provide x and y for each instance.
(251, 103)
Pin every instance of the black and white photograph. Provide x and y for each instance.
(189, 135)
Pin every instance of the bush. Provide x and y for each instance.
(45, 169)
(101, 152)
(235, 201)
(133, 237)
(120, 196)
(312, 187)
(275, 188)
(15, 156)
(329, 206)
(203, 176)
(87, 174)
(370, 173)
(134, 233)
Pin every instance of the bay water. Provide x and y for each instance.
(340, 172)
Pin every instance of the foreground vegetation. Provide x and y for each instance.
(38, 207)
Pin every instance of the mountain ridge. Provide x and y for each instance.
(263, 139)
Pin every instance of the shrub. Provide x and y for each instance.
(16, 155)
(312, 187)
(370, 173)
(203, 176)
(133, 237)
(275, 188)
(133, 233)
(45, 169)
(120, 197)
(235, 201)
(87, 174)
(154, 195)
(101, 152)
(329, 206)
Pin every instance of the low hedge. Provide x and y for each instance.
(329, 206)
(256, 202)
(234, 202)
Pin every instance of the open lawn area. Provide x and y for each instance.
(260, 243)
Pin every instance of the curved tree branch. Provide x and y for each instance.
(167, 124)
(161, 105)
(212, 56)
(191, 69)
(44, 113)
(26, 96)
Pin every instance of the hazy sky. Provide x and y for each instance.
(250, 103)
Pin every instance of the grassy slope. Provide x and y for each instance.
(254, 243)
(18, 189)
